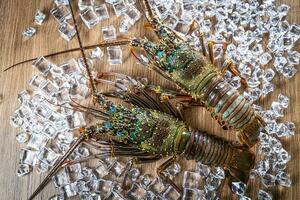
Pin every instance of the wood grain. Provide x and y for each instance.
(16, 15)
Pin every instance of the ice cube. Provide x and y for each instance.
(37, 141)
(97, 53)
(29, 32)
(89, 17)
(114, 55)
(66, 31)
(84, 4)
(39, 17)
(109, 32)
(43, 65)
(22, 137)
(27, 156)
(132, 14)
(61, 13)
(125, 26)
(23, 169)
(102, 12)
(47, 156)
(120, 7)
(70, 68)
(68, 190)
(134, 174)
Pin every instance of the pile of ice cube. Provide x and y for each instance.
(261, 44)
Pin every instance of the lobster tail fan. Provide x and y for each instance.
(240, 165)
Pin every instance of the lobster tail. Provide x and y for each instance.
(211, 150)
(241, 162)
(250, 133)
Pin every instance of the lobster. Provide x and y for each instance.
(152, 129)
(196, 74)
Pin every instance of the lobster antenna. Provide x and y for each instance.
(57, 166)
(103, 44)
(82, 50)
(148, 10)
(82, 137)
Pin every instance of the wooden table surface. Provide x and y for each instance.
(16, 15)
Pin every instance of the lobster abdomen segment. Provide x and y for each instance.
(214, 151)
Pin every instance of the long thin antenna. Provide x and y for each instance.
(82, 50)
(148, 10)
(57, 167)
(103, 44)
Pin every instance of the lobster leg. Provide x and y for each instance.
(211, 51)
(201, 39)
(160, 170)
(228, 65)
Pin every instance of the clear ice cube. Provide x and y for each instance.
(114, 55)
(134, 174)
(125, 26)
(104, 187)
(66, 31)
(23, 169)
(283, 179)
(22, 137)
(119, 7)
(102, 12)
(182, 27)
(61, 13)
(157, 186)
(118, 168)
(101, 171)
(47, 156)
(171, 193)
(132, 14)
(268, 180)
(43, 65)
(68, 190)
(97, 53)
(191, 180)
(70, 68)
(262, 195)
(84, 4)
(189, 194)
(36, 81)
(238, 188)
(23, 97)
(27, 156)
(29, 32)
(109, 33)
(136, 192)
(39, 17)
(265, 58)
(212, 183)
(37, 141)
(171, 20)
(89, 17)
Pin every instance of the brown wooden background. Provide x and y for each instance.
(16, 15)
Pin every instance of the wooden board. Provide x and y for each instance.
(16, 15)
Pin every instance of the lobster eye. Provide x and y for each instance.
(136, 42)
